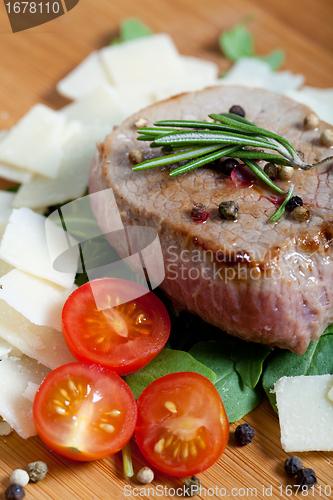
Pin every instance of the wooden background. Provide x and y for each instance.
(31, 63)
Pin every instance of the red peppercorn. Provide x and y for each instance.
(199, 212)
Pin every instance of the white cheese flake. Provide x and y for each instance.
(39, 136)
(15, 375)
(150, 58)
(44, 344)
(24, 246)
(84, 79)
(40, 301)
(305, 412)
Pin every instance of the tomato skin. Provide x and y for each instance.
(182, 427)
(90, 338)
(101, 411)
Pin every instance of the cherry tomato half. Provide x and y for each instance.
(124, 337)
(84, 412)
(182, 427)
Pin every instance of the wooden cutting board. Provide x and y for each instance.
(31, 63)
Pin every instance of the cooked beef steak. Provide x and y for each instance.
(264, 282)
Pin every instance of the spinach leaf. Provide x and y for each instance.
(238, 399)
(131, 29)
(318, 360)
(238, 42)
(249, 359)
(167, 361)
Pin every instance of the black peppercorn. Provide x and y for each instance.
(244, 434)
(292, 465)
(306, 477)
(227, 166)
(237, 110)
(294, 202)
(14, 492)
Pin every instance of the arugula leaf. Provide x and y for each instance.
(317, 360)
(238, 42)
(238, 399)
(249, 359)
(167, 361)
(274, 59)
(131, 29)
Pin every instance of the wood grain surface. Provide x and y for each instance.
(31, 63)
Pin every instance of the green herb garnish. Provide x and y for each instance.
(238, 42)
(167, 361)
(131, 29)
(230, 135)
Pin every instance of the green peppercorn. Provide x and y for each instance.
(271, 170)
(229, 210)
(292, 465)
(14, 492)
(191, 487)
(306, 477)
(37, 471)
(244, 434)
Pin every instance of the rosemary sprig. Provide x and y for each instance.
(280, 211)
(204, 142)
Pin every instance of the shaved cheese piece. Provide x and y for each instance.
(15, 174)
(190, 84)
(24, 246)
(38, 300)
(252, 72)
(15, 375)
(6, 200)
(137, 95)
(305, 412)
(102, 107)
(5, 268)
(322, 105)
(200, 67)
(5, 349)
(150, 58)
(38, 135)
(73, 177)
(84, 79)
(42, 343)
(30, 391)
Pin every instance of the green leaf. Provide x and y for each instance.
(13, 189)
(133, 28)
(318, 360)
(274, 59)
(167, 361)
(238, 399)
(249, 359)
(237, 43)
